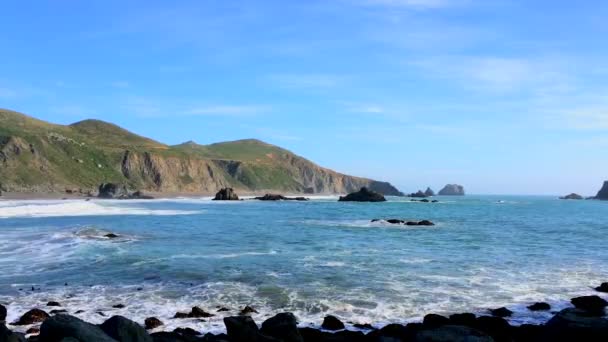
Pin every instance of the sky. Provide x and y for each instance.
(503, 97)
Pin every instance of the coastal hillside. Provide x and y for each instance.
(38, 156)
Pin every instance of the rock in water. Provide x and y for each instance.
(592, 304)
(241, 328)
(113, 190)
(452, 190)
(572, 196)
(603, 193)
(501, 312)
(419, 194)
(152, 323)
(125, 330)
(429, 192)
(226, 194)
(65, 327)
(602, 288)
(363, 195)
(2, 313)
(31, 317)
(283, 326)
(540, 306)
(576, 325)
(332, 323)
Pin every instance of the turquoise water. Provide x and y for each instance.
(311, 258)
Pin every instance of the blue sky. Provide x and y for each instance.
(507, 97)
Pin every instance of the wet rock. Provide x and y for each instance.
(411, 223)
(452, 333)
(424, 200)
(576, 325)
(111, 236)
(226, 194)
(365, 326)
(125, 330)
(9, 336)
(2, 313)
(282, 326)
(59, 311)
(79, 312)
(53, 303)
(363, 195)
(32, 331)
(118, 306)
(31, 317)
(591, 304)
(529, 333)
(425, 223)
(197, 312)
(466, 319)
(498, 328)
(332, 323)
(393, 333)
(181, 315)
(434, 320)
(277, 197)
(187, 332)
(248, 310)
(539, 306)
(222, 309)
(435, 201)
(152, 323)
(244, 329)
(395, 221)
(62, 327)
(501, 312)
(347, 336)
(602, 288)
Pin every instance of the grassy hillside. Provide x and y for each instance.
(39, 156)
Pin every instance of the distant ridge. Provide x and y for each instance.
(38, 156)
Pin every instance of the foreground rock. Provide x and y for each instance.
(452, 333)
(226, 194)
(452, 190)
(31, 317)
(363, 195)
(8, 336)
(68, 328)
(119, 191)
(603, 193)
(332, 323)
(283, 326)
(125, 330)
(576, 325)
(276, 197)
(591, 304)
(572, 196)
(2, 313)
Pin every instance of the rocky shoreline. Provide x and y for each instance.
(584, 320)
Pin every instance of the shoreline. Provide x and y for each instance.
(583, 316)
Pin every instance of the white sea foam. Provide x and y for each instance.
(14, 209)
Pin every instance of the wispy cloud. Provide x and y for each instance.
(368, 108)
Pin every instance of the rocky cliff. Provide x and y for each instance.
(603, 193)
(37, 156)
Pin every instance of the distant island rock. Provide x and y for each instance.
(276, 197)
(363, 195)
(419, 194)
(226, 194)
(429, 192)
(452, 190)
(603, 193)
(572, 196)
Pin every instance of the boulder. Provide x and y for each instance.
(452, 190)
(591, 304)
(572, 196)
(539, 306)
(125, 330)
(576, 325)
(603, 193)
(53, 303)
(363, 195)
(197, 312)
(152, 323)
(31, 317)
(434, 320)
(501, 312)
(429, 192)
(60, 327)
(466, 319)
(2, 313)
(226, 194)
(248, 310)
(332, 323)
(9, 336)
(393, 332)
(244, 329)
(498, 328)
(452, 333)
(282, 326)
(602, 288)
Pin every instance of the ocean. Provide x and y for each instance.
(311, 258)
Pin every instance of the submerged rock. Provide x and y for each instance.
(31, 317)
(540, 306)
(452, 190)
(501, 312)
(603, 193)
(277, 197)
(363, 195)
(572, 196)
(226, 194)
(125, 330)
(332, 323)
(66, 327)
(602, 288)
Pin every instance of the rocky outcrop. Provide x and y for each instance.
(429, 192)
(363, 195)
(31, 317)
(123, 329)
(119, 191)
(452, 190)
(276, 197)
(603, 193)
(419, 194)
(70, 328)
(572, 196)
(226, 194)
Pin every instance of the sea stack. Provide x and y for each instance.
(452, 190)
(572, 196)
(363, 195)
(603, 193)
(226, 194)
(429, 192)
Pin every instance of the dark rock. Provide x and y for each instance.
(429, 192)
(187, 331)
(332, 323)
(2, 313)
(602, 288)
(53, 303)
(529, 333)
(32, 331)
(572, 196)
(58, 311)
(591, 304)
(79, 311)
(363, 195)
(498, 328)
(435, 201)
(576, 325)
(540, 306)
(452, 190)
(282, 326)
(393, 332)
(244, 329)
(315, 335)
(603, 193)
(452, 333)
(376, 220)
(9, 336)
(119, 306)
(395, 221)
(365, 326)
(226, 194)
(434, 320)
(31, 317)
(165, 336)
(466, 319)
(111, 236)
(411, 223)
(425, 223)
(419, 194)
(223, 309)
(501, 312)
(248, 310)
(181, 315)
(62, 327)
(346, 336)
(424, 200)
(197, 312)
(139, 195)
(113, 190)
(152, 323)
(276, 197)
(125, 330)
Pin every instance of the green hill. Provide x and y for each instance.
(37, 156)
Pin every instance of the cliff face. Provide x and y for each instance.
(42, 157)
(603, 193)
